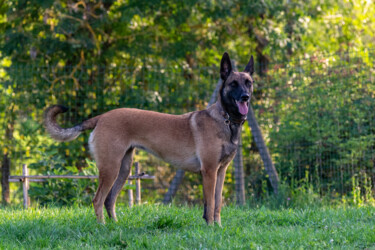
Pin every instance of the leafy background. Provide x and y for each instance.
(314, 93)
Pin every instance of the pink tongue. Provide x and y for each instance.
(242, 107)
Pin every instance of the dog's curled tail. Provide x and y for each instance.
(65, 134)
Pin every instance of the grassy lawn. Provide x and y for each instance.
(164, 227)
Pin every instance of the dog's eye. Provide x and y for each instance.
(234, 84)
(248, 83)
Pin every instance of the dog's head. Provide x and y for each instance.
(237, 88)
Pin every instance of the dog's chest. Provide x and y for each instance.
(228, 150)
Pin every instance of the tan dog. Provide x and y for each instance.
(202, 141)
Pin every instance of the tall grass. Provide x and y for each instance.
(181, 227)
(304, 194)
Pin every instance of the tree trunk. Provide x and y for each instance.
(263, 150)
(239, 175)
(5, 169)
(177, 179)
(5, 173)
(263, 61)
(238, 166)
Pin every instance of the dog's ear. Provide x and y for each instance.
(250, 66)
(225, 66)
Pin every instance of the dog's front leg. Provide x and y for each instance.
(209, 174)
(219, 193)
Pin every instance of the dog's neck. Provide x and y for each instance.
(233, 125)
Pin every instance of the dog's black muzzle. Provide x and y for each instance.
(245, 97)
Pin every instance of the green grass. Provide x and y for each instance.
(172, 227)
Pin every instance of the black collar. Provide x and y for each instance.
(231, 120)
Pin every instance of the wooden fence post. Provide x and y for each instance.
(26, 200)
(137, 184)
(130, 191)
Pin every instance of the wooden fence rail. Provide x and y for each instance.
(25, 178)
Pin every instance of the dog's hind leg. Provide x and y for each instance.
(109, 164)
(110, 201)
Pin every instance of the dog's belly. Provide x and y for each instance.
(189, 162)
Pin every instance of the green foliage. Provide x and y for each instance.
(62, 191)
(304, 194)
(323, 121)
(362, 193)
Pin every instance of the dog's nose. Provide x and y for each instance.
(245, 97)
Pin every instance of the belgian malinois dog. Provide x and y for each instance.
(202, 141)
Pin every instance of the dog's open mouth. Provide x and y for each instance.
(243, 107)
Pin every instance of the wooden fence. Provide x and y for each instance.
(25, 178)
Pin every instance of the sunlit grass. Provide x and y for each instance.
(163, 227)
